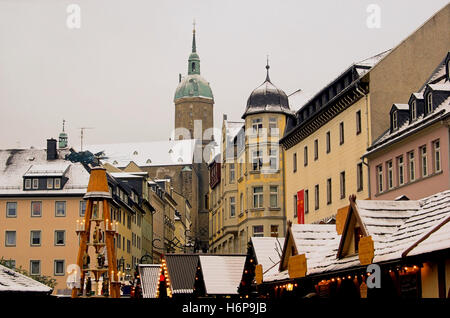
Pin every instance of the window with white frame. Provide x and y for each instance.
(35, 238)
(232, 176)
(390, 175)
(258, 197)
(394, 120)
(413, 110)
(82, 207)
(60, 208)
(411, 166)
(36, 208)
(258, 230)
(59, 269)
(429, 103)
(424, 161)
(60, 237)
(35, 267)
(274, 196)
(257, 160)
(11, 209)
(257, 125)
(35, 184)
(232, 206)
(380, 178)
(49, 183)
(437, 156)
(401, 170)
(273, 126)
(273, 159)
(10, 238)
(27, 184)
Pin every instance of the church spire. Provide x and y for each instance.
(194, 60)
(267, 68)
(194, 48)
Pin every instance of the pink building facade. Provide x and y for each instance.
(412, 158)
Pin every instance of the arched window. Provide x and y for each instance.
(193, 67)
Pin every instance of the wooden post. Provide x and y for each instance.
(83, 248)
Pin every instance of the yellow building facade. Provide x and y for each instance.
(247, 180)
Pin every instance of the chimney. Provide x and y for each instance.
(51, 149)
(224, 117)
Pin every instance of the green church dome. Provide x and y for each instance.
(193, 85)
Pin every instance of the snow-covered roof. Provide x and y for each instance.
(50, 169)
(233, 128)
(125, 175)
(222, 273)
(394, 226)
(433, 240)
(412, 227)
(153, 153)
(149, 274)
(389, 138)
(15, 163)
(268, 251)
(437, 82)
(310, 239)
(12, 281)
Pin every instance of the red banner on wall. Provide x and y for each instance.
(301, 207)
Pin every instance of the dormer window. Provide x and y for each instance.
(57, 183)
(35, 184)
(413, 110)
(50, 183)
(429, 103)
(394, 120)
(27, 184)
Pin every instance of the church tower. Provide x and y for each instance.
(194, 99)
(194, 106)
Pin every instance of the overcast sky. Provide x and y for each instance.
(118, 72)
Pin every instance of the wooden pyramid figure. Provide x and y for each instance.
(97, 216)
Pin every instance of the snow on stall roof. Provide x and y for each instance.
(153, 153)
(438, 240)
(12, 281)
(268, 251)
(15, 163)
(398, 225)
(222, 274)
(149, 274)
